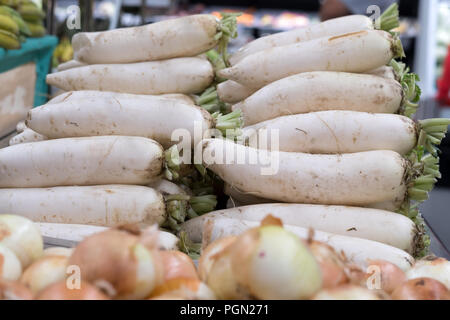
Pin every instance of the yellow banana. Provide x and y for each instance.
(31, 13)
(37, 30)
(8, 24)
(13, 14)
(9, 40)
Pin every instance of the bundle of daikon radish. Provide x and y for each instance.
(328, 146)
(97, 154)
(327, 132)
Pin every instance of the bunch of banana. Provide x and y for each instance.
(63, 52)
(9, 29)
(33, 17)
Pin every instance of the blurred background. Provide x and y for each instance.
(424, 29)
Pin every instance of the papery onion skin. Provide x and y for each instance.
(431, 267)
(115, 257)
(273, 263)
(421, 289)
(350, 292)
(10, 266)
(60, 291)
(187, 287)
(331, 264)
(14, 290)
(209, 255)
(177, 265)
(58, 251)
(22, 236)
(44, 272)
(391, 276)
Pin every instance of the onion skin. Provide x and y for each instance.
(421, 289)
(177, 265)
(210, 253)
(190, 288)
(14, 290)
(431, 267)
(270, 262)
(391, 275)
(331, 264)
(117, 258)
(44, 272)
(349, 292)
(58, 251)
(22, 236)
(10, 266)
(59, 291)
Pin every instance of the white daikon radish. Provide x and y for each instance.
(356, 250)
(27, 135)
(332, 27)
(143, 116)
(232, 92)
(70, 64)
(242, 198)
(106, 205)
(180, 37)
(92, 94)
(20, 235)
(384, 72)
(383, 226)
(81, 161)
(20, 126)
(44, 272)
(329, 132)
(320, 91)
(68, 231)
(166, 187)
(77, 232)
(307, 178)
(11, 269)
(180, 75)
(352, 52)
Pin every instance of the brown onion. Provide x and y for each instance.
(421, 289)
(210, 254)
(14, 290)
(431, 267)
(390, 275)
(187, 287)
(60, 291)
(177, 265)
(331, 264)
(115, 259)
(43, 272)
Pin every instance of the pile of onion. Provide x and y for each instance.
(421, 289)
(267, 262)
(120, 262)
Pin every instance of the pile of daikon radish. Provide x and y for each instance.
(264, 262)
(328, 150)
(97, 154)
